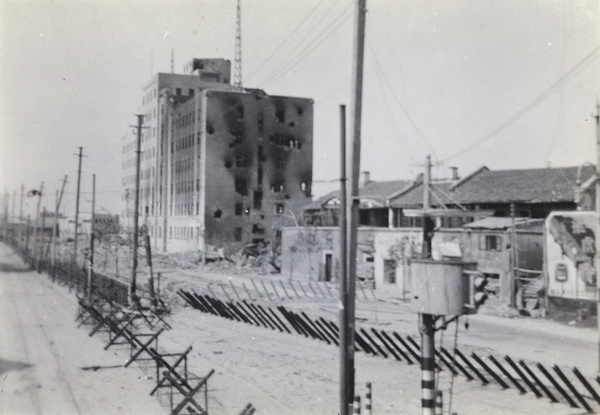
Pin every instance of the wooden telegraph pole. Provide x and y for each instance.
(136, 213)
(91, 258)
(345, 344)
(597, 232)
(55, 226)
(427, 327)
(80, 155)
(356, 108)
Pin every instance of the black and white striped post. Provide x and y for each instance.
(439, 403)
(368, 402)
(427, 364)
(357, 405)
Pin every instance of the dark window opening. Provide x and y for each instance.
(258, 229)
(279, 208)
(240, 186)
(490, 243)
(237, 141)
(258, 200)
(277, 188)
(237, 234)
(178, 91)
(209, 128)
(260, 123)
(238, 209)
(280, 116)
(285, 141)
(292, 124)
(217, 214)
(300, 110)
(241, 161)
(279, 163)
(258, 241)
(227, 164)
(261, 154)
(259, 175)
(191, 92)
(240, 112)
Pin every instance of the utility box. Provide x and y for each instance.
(442, 287)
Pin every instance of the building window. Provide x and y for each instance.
(280, 116)
(238, 209)
(279, 163)
(178, 91)
(217, 214)
(490, 243)
(258, 200)
(240, 186)
(279, 208)
(259, 176)
(260, 123)
(237, 234)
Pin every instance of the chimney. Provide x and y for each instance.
(454, 173)
(365, 178)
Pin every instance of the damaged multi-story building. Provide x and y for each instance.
(221, 166)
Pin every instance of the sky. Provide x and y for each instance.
(501, 83)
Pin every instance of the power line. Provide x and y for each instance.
(299, 56)
(404, 110)
(532, 104)
(285, 40)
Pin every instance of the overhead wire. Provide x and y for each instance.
(321, 37)
(278, 48)
(293, 50)
(411, 152)
(530, 105)
(402, 107)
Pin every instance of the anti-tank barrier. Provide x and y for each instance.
(506, 372)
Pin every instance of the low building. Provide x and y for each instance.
(500, 227)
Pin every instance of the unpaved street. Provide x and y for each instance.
(42, 353)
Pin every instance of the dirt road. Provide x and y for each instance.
(42, 353)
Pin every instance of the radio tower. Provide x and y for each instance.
(237, 65)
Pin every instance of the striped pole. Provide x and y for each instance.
(368, 405)
(427, 364)
(439, 404)
(357, 405)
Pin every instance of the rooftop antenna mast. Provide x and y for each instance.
(237, 65)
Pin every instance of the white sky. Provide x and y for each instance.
(501, 83)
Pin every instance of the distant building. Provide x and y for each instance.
(221, 166)
(509, 250)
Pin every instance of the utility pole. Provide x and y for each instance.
(54, 227)
(40, 249)
(13, 216)
(91, 259)
(427, 321)
(80, 155)
(27, 236)
(21, 216)
(136, 213)
(356, 108)
(597, 233)
(345, 344)
(37, 215)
